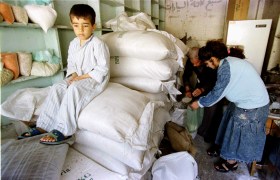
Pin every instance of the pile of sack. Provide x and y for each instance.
(121, 129)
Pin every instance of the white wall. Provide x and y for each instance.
(200, 19)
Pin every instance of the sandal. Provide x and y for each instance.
(32, 132)
(58, 137)
(224, 166)
(214, 151)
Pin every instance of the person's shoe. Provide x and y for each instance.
(30, 133)
(58, 138)
(224, 166)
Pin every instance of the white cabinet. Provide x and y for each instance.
(247, 32)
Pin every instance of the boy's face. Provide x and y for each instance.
(83, 28)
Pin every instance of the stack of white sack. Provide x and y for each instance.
(142, 60)
(121, 130)
(142, 21)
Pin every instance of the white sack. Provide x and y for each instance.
(122, 22)
(103, 159)
(45, 16)
(140, 44)
(147, 84)
(161, 96)
(133, 67)
(114, 21)
(78, 166)
(124, 152)
(24, 103)
(181, 48)
(113, 164)
(121, 114)
(161, 117)
(144, 19)
(175, 166)
(178, 116)
(44, 68)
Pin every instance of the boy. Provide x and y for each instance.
(87, 76)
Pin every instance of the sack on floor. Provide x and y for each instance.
(179, 138)
(175, 166)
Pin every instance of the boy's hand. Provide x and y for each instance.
(70, 79)
(78, 78)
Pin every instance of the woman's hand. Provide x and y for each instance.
(194, 105)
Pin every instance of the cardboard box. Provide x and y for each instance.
(238, 9)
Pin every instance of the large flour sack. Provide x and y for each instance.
(140, 44)
(120, 114)
(133, 67)
(124, 152)
(147, 84)
(103, 159)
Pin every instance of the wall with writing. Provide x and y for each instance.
(200, 19)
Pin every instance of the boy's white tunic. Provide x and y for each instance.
(64, 103)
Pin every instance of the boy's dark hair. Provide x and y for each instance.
(83, 11)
